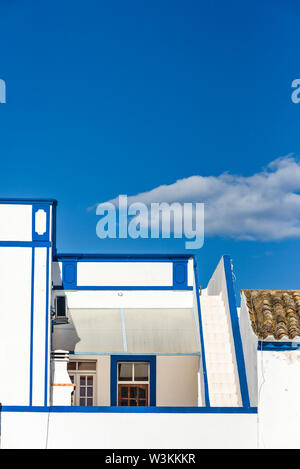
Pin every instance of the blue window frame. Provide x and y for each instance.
(114, 359)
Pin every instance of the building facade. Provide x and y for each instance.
(119, 351)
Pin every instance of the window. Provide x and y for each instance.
(60, 306)
(133, 384)
(135, 375)
(83, 375)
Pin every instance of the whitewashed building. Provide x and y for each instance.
(105, 351)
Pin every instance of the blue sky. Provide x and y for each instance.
(121, 97)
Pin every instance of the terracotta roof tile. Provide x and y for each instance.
(274, 313)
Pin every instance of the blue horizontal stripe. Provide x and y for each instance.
(57, 287)
(133, 410)
(197, 354)
(26, 244)
(277, 346)
(121, 257)
(28, 201)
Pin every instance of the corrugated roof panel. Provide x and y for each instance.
(160, 331)
(90, 330)
(144, 331)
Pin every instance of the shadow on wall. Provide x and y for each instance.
(64, 336)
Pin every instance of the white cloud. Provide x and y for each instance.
(264, 206)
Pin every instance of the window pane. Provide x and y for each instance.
(82, 391)
(124, 391)
(125, 371)
(142, 403)
(124, 402)
(89, 392)
(72, 366)
(132, 402)
(141, 371)
(89, 380)
(89, 402)
(142, 392)
(82, 380)
(86, 366)
(82, 402)
(133, 392)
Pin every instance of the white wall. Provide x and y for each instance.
(17, 308)
(190, 272)
(16, 222)
(40, 311)
(103, 380)
(177, 381)
(15, 313)
(118, 430)
(126, 299)
(15, 325)
(249, 341)
(278, 399)
(125, 273)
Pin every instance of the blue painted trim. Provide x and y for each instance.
(122, 257)
(277, 346)
(53, 234)
(66, 283)
(132, 410)
(180, 285)
(25, 244)
(71, 262)
(47, 354)
(133, 358)
(194, 354)
(46, 236)
(28, 201)
(236, 332)
(59, 287)
(31, 327)
(204, 368)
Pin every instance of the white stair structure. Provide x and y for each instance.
(222, 376)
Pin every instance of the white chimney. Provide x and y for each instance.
(61, 384)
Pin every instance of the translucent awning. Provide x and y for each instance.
(128, 330)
